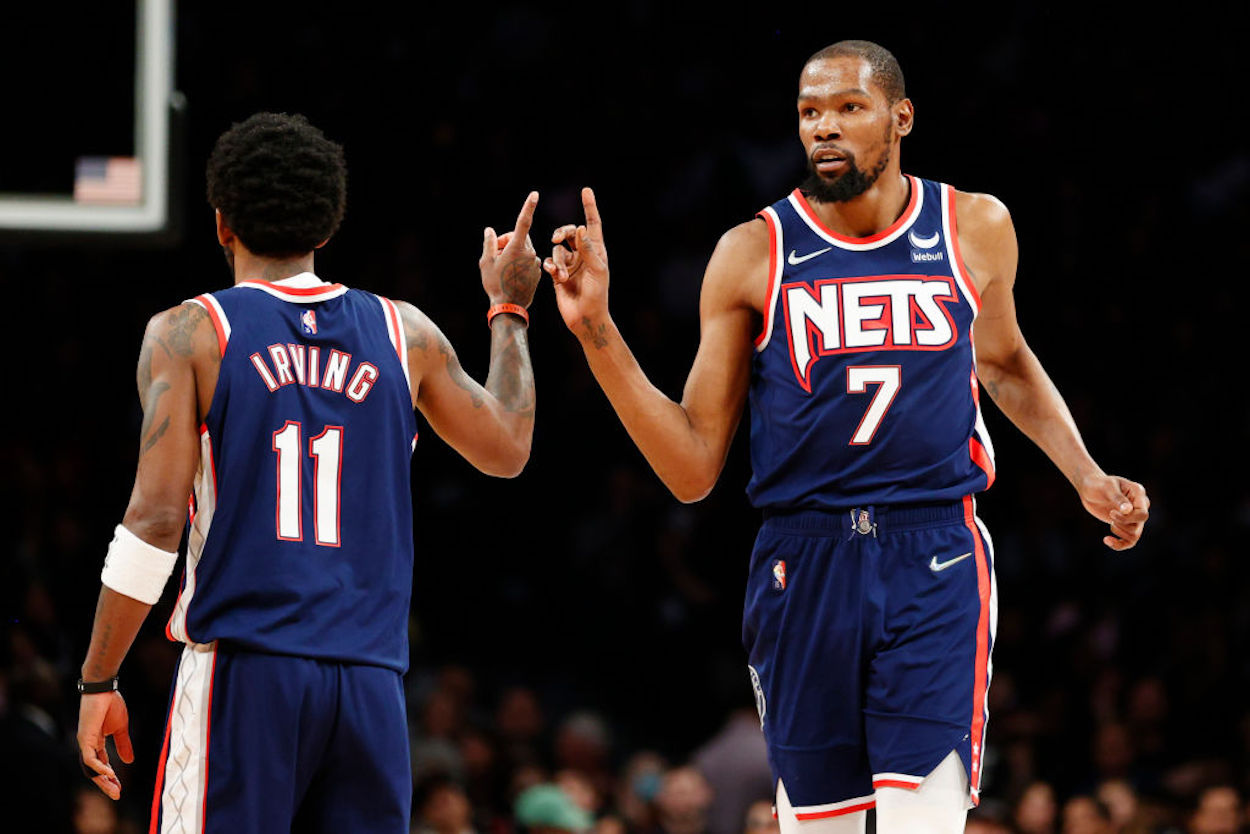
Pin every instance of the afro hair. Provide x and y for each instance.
(280, 184)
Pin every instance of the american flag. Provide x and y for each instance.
(108, 179)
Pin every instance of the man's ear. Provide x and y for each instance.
(224, 233)
(904, 117)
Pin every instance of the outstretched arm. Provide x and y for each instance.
(169, 453)
(490, 425)
(686, 443)
(1018, 383)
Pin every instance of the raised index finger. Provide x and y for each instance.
(526, 217)
(594, 224)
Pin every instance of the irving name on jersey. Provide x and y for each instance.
(300, 364)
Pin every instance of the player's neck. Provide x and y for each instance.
(249, 267)
(871, 212)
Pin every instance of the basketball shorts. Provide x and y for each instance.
(868, 632)
(267, 743)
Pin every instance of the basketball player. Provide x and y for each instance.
(847, 314)
(283, 408)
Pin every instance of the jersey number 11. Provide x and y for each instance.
(326, 450)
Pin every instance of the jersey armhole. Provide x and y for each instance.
(950, 228)
(221, 324)
(395, 332)
(775, 247)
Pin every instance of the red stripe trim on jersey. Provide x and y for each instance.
(976, 450)
(160, 768)
(774, 275)
(207, 303)
(982, 459)
(169, 624)
(884, 233)
(980, 683)
(182, 586)
(837, 812)
(208, 734)
(959, 258)
(212, 462)
(895, 783)
(303, 292)
(393, 314)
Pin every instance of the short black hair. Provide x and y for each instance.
(280, 184)
(885, 69)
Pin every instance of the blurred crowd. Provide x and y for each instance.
(496, 760)
(575, 655)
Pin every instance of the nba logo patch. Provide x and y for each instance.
(779, 575)
(308, 322)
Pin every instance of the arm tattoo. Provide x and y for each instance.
(104, 632)
(156, 435)
(415, 337)
(182, 323)
(458, 375)
(511, 379)
(150, 341)
(153, 436)
(598, 335)
(518, 280)
(992, 387)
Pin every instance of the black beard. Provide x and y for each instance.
(850, 185)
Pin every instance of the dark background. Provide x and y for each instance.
(1111, 136)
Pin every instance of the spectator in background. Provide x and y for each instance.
(546, 809)
(1086, 815)
(580, 790)
(523, 778)
(520, 723)
(583, 745)
(440, 806)
(434, 742)
(760, 819)
(484, 778)
(683, 802)
(1127, 816)
(637, 789)
(95, 814)
(1036, 812)
(38, 774)
(1218, 812)
(735, 764)
(1113, 752)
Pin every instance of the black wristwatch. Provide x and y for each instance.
(96, 687)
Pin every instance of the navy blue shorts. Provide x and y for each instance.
(868, 633)
(270, 743)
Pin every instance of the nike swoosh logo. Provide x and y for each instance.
(795, 259)
(936, 566)
(923, 242)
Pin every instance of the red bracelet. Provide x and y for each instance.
(514, 309)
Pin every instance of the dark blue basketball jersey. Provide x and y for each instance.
(863, 386)
(300, 539)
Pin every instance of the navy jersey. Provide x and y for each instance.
(300, 540)
(863, 386)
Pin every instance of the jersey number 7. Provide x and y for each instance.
(326, 450)
(858, 378)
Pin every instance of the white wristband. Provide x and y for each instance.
(135, 568)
